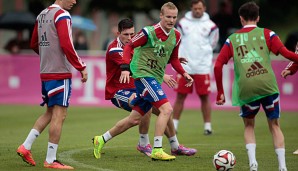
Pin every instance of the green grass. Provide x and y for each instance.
(120, 154)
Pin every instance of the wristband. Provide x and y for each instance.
(125, 67)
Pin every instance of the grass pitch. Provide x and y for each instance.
(120, 153)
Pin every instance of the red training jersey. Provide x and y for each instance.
(114, 57)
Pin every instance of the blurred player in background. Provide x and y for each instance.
(291, 69)
(122, 94)
(199, 38)
(52, 41)
(255, 83)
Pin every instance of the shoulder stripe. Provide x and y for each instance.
(272, 34)
(227, 42)
(62, 16)
(116, 49)
(145, 31)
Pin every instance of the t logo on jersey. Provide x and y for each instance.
(159, 50)
(44, 40)
(41, 18)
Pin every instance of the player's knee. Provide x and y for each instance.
(134, 122)
(168, 111)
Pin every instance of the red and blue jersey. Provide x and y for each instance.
(52, 40)
(114, 57)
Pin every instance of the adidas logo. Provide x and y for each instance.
(156, 140)
(255, 69)
(172, 141)
(51, 147)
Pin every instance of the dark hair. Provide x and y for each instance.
(249, 11)
(197, 1)
(125, 24)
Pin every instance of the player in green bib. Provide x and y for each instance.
(153, 48)
(254, 81)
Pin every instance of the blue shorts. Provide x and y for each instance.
(270, 105)
(149, 92)
(56, 92)
(121, 98)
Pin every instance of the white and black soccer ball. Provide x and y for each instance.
(224, 160)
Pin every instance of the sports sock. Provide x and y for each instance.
(158, 142)
(251, 152)
(174, 142)
(207, 126)
(144, 140)
(176, 122)
(33, 134)
(107, 136)
(280, 152)
(51, 153)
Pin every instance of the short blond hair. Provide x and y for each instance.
(169, 5)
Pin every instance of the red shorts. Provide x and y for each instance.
(201, 83)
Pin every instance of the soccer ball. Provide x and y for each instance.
(224, 160)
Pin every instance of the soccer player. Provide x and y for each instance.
(199, 38)
(254, 80)
(52, 41)
(157, 46)
(122, 94)
(154, 47)
(291, 69)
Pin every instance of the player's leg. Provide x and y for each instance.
(272, 109)
(160, 126)
(178, 108)
(122, 99)
(248, 112)
(151, 92)
(176, 148)
(182, 92)
(59, 93)
(24, 150)
(202, 86)
(144, 143)
(121, 126)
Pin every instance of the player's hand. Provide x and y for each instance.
(84, 75)
(220, 99)
(124, 77)
(169, 80)
(183, 60)
(285, 73)
(189, 79)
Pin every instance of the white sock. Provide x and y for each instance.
(107, 136)
(174, 142)
(251, 152)
(144, 140)
(207, 126)
(158, 141)
(51, 153)
(33, 134)
(280, 152)
(176, 122)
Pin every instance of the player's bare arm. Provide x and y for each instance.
(188, 78)
(169, 80)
